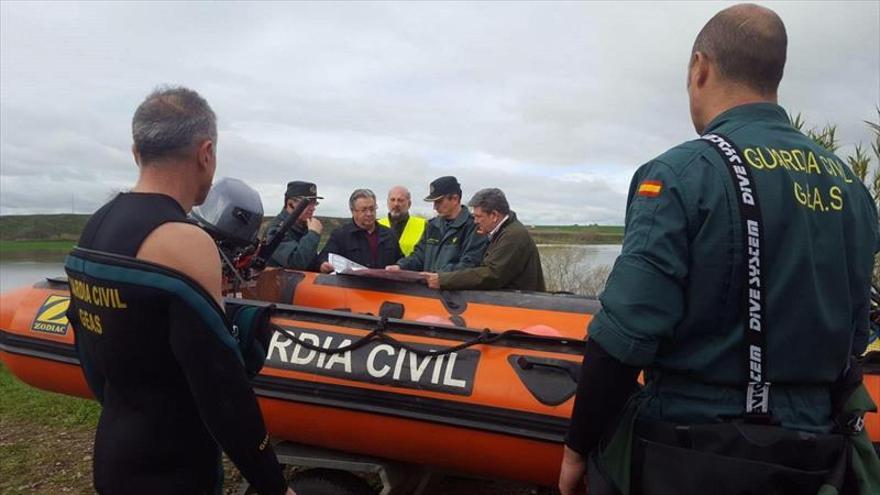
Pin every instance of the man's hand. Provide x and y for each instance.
(326, 267)
(315, 225)
(290, 492)
(573, 474)
(393, 268)
(432, 279)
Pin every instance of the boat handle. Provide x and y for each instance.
(573, 369)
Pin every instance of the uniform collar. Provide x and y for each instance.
(749, 112)
(461, 219)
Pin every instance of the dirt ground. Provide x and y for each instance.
(35, 458)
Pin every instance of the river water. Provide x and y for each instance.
(20, 269)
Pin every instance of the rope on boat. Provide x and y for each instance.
(379, 333)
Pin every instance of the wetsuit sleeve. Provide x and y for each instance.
(644, 298)
(298, 255)
(604, 386)
(416, 260)
(471, 253)
(224, 397)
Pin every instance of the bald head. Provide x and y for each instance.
(747, 43)
(399, 201)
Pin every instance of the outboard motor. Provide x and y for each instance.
(232, 213)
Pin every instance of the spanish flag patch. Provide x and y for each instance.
(650, 188)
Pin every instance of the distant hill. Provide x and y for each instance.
(41, 227)
(14, 228)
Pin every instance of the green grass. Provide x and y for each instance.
(23, 402)
(41, 227)
(45, 439)
(577, 234)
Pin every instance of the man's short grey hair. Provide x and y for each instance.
(358, 194)
(489, 200)
(170, 121)
(405, 190)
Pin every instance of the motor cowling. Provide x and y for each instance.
(232, 213)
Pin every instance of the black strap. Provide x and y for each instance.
(754, 302)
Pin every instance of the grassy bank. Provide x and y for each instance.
(46, 439)
(577, 234)
(58, 233)
(41, 227)
(46, 447)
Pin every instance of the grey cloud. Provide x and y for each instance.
(529, 97)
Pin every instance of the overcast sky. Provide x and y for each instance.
(555, 103)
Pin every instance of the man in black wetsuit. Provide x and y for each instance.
(151, 333)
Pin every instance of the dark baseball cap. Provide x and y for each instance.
(301, 189)
(443, 186)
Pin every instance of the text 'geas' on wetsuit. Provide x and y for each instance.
(157, 353)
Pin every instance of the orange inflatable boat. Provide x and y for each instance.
(496, 404)
(562, 315)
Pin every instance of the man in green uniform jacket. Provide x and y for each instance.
(450, 241)
(511, 261)
(674, 302)
(299, 248)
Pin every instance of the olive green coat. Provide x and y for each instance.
(510, 262)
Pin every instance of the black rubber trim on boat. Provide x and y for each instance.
(39, 348)
(390, 309)
(462, 415)
(53, 283)
(491, 419)
(550, 381)
(514, 299)
(519, 340)
(454, 301)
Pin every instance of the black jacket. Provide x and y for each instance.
(350, 241)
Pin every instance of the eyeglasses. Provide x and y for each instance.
(369, 209)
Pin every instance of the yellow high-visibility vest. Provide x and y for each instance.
(412, 232)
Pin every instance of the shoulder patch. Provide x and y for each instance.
(650, 188)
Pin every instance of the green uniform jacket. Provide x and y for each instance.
(672, 303)
(447, 246)
(298, 250)
(511, 262)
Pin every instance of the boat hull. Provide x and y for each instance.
(496, 410)
(477, 413)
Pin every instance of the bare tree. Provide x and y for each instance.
(564, 272)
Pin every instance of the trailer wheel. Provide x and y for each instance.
(329, 482)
